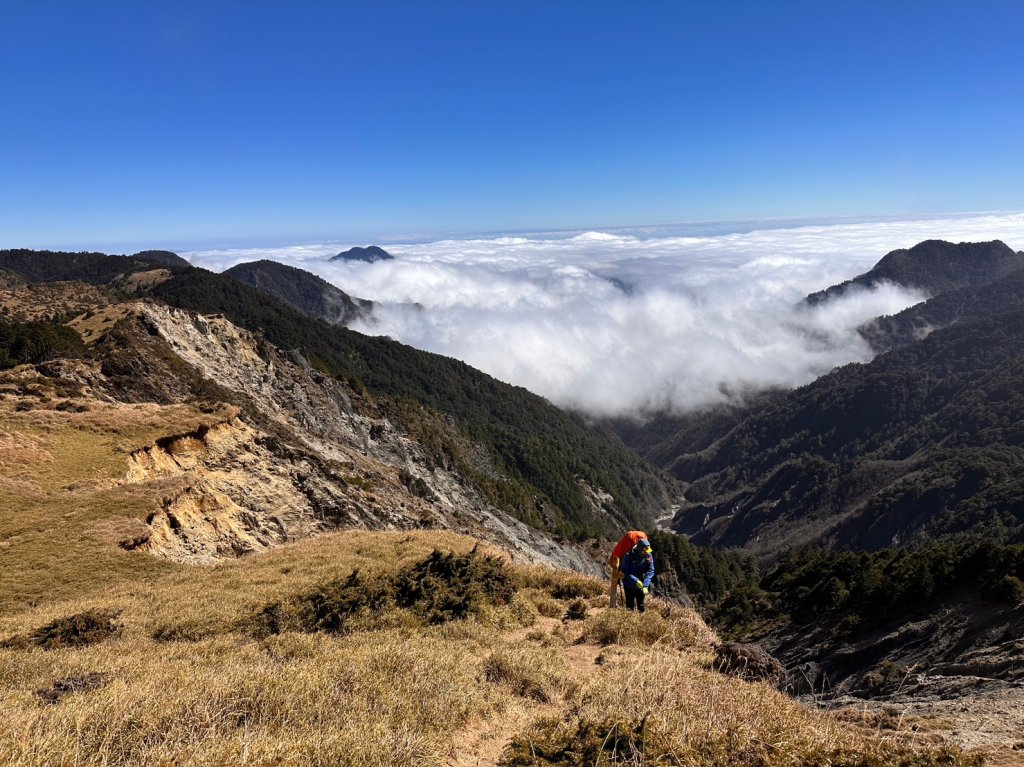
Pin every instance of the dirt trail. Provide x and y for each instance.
(482, 742)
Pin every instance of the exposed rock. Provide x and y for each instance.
(296, 453)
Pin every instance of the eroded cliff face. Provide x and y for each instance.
(295, 453)
(232, 496)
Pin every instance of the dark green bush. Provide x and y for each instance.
(77, 630)
(447, 586)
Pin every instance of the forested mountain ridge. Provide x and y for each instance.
(660, 437)
(967, 280)
(95, 268)
(972, 302)
(934, 266)
(922, 441)
(165, 257)
(547, 467)
(310, 294)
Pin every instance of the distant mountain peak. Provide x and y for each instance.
(935, 266)
(369, 254)
(165, 257)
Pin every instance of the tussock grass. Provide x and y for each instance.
(302, 699)
(530, 672)
(560, 584)
(660, 625)
(543, 602)
(661, 708)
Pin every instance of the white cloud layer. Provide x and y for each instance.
(622, 323)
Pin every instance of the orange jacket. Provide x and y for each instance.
(627, 542)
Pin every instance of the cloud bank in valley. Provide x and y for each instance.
(622, 323)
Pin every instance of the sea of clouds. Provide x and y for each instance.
(627, 323)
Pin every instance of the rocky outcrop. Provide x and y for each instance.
(942, 652)
(294, 452)
(237, 495)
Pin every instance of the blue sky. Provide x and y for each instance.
(185, 125)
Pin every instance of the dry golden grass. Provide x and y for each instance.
(93, 324)
(662, 708)
(63, 505)
(376, 696)
(47, 300)
(660, 625)
(180, 680)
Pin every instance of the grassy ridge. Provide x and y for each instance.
(182, 680)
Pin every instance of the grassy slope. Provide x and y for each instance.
(390, 691)
(61, 512)
(394, 692)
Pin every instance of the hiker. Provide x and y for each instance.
(637, 571)
(623, 547)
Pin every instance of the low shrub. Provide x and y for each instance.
(447, 586)
(750, 662)
(555, 743)
(56, 692)
(577, 610)
(77, 630)
(441, 588)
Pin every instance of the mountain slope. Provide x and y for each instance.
(547, 467)
(535, 445)
(96, 268)
(973, 302)
(934, 266)
(922, 441)
(474, 667)
(310, 294)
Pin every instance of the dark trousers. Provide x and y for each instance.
(634, 597)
